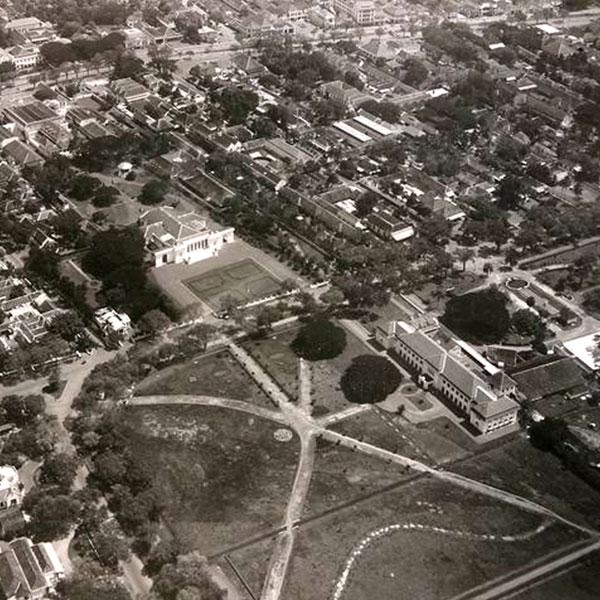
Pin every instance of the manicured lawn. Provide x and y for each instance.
(217, 374)
(245, 280)
(408, 565)
(223, 475)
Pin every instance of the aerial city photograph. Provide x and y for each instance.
(300, 300)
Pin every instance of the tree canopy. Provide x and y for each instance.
(370, 379)
(479, 316)
(319, 339)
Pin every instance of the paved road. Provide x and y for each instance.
(501, 590)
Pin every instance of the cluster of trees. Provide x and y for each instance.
(34, 435)
(480, 317)
(301, 70)
(83, 49)
(107, 152)
(117, 258)
(233, 104)
(388, 111)
(442, 37)
(70, 16)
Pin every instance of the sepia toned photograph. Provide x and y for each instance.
(300, 300)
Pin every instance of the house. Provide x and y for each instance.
(173, 238)
(487, 402)
(27, 313)
(11, 489)
(22, 155)
(113, 323)
(341, 92)
(389, 227)
(28, 571)
(129, 90)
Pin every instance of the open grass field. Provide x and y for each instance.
(278, 359)
(217, 374)
(341, 475)
(406, 565)
(582, 583)
(519, 468)
(222, 474)
(245, 280)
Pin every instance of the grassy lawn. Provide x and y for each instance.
(520, 468)
(252, 562)
(217, 374)
(277, 358)
(443, 439)
(223, 475)
(340, 475)
(583, 583)
(388, 432)
(410, 565)
(245, 280)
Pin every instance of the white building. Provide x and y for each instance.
(488, 405)
(174, 238)
(112, 322)
(11, 490)
(362, 12)
(25, 57)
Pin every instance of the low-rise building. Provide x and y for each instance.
(488, 404)
(113, 323)
(28, 571)
(129, 90)
(173, 238)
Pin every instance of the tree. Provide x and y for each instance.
(60, 470)
(109, 469)
(527, 324)
(91, 585)
(189, 574)
(370, 379)
(267, 316)
(52, 517)
(127, 65)
(465, 255)
(365, 204)
(510, 193)
(153, 322)
(237, 103)
(480, 317)
(153, 192)
(68, 325)
(319, 339)
(105, 196)
(160, 59)
(22, 410)
(333, 296)
(548, 434)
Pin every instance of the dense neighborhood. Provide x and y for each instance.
(299, 300)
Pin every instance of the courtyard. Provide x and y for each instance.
(239, 271)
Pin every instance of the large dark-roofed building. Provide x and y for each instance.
(31, 114)
(559, 375)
